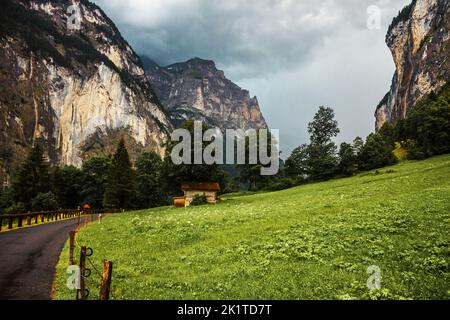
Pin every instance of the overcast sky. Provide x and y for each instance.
(294, 55)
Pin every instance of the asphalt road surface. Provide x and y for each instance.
(28, 259)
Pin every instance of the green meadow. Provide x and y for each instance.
(311, 242)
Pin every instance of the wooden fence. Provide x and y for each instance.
(32, 218)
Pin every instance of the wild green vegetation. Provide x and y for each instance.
(314, 241)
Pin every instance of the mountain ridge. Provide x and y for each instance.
(74, 91)
(196, 89)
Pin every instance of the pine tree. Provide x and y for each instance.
(95, 175)
(32, 177)
(148, 178)
(67, 184)
(120, 185)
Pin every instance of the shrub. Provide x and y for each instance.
(16, 208)
(400, 152)
(44, 202)
(284, 183)
(199, 200)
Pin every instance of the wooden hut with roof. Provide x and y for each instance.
(191, 190)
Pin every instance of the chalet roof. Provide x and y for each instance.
(200, 186)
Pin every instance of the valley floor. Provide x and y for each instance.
(311, 242)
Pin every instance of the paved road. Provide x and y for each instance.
(28, 259)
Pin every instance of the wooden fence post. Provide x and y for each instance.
(29, 221)
(72, 247)
(1, 223)
(19, 222)
(10, 223)
(105, 286)
(81, 293)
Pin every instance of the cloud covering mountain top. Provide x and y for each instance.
(293, 54)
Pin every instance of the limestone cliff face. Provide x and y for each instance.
(197, 90)
(74, 91)
(418, 39)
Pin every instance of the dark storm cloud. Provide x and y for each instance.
(293, 54)
(249, 37)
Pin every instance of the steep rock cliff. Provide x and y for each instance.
(197, 90)
(418, 39)
(76, 91)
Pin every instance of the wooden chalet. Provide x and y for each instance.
(191, 190)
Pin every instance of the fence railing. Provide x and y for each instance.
(32, 218)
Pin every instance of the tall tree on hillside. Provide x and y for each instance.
(148, 180)
(120, 185)
(95, 175)
(322, 150)
(32, 177)
(67, 184)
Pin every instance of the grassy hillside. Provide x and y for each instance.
(310, 242)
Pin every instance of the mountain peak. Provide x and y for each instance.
(196, 89)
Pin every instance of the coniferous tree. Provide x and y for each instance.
(32, 178)
(95, 175)
(67, 185)
(148, 180)
(120, 185)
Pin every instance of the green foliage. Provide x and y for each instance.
(199, 200)
(297, 164)
(32, 177)
(413, 151)
(251, 173)
(15, 208)
(387, 133)
(175, 175)
(376, 153)
(149, 184)
(6, 198)
(347, 160)
(400, 152)
(120, 185)
(322, 158)
(315, 241)
(44, 202)
(283, 183)
(428, 123)
(67, 186)
(95, 175)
